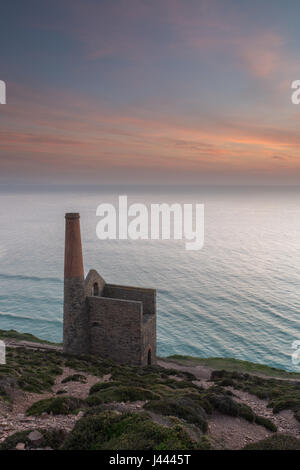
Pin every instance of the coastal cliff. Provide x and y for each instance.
(50, 400)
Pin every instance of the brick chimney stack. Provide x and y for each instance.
(73, 248)
(75, 331)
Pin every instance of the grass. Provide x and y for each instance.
(51, 438)
(232, 364)
(184, 408)
(33, 371)
(167, 392)
(276, 442)
(57, 406)
(166, 396)
(120, 393)
(75, 378)
(112, 431)
(281, 394)
(13, 334)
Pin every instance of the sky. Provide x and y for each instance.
(149, 92)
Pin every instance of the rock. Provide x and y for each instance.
(20, 446)
(80, 414)
(35, 437)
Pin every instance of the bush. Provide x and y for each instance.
(56, 406)
(281, 394)
(99, 386)
(112, 431)
(74, 378)
(226, 405)
(184, 408)
(276, 442)
(262, 421)
(120, 394)
(51, 438)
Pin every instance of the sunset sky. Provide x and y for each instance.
(150, 91)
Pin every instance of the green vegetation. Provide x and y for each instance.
(74, 378)
(169, 397)
(52, 438)
(262, 421)
(281, 394)
(120, 393)
(56, 406)
(184, 408)
(33, 371)
(276, 442)
(231, 364)
(90, 365)
(13, 334)
(113, 431)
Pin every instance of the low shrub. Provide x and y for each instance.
(112, 431)
(74, 378)
(276, 442)
(57, 406)
(52, 438)
(267, 423)
(281, 394)
(184, 408)
(120, 394)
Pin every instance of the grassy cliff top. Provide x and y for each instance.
(232, 364)
(214, 363)
(16, 336)
(181, 403)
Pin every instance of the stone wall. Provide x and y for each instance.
(149, 339)
(75, 329)
(146, 296)
(115, 328)
(92, 278)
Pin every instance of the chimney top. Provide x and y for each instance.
(72, 215)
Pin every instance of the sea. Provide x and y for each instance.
(238, 296)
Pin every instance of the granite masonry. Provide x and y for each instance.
(112, 321)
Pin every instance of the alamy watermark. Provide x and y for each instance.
(295, 97)
(296, 353)
(2, 92)
(162, 222)
(2, 353)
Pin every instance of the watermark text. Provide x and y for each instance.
(162, 222)
(2, 92)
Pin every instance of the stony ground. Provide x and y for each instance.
(13, 417)
(225, 432)
(234, 433)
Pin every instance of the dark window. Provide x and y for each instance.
(149, 357)
(96, 289)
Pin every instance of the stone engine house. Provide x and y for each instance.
(112, 321)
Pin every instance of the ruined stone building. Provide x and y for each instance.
(112, 321)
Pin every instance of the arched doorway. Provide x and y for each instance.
(95, 289)
(149, 358)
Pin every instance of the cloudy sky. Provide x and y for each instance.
(150, 91)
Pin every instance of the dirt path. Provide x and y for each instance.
(285, 420)
(202, 373)
(12, 343)
(226, 432)
(13, 417)
(234, 433)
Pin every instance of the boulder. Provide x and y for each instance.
(36, 437)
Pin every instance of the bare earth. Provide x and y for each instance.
(226, 432)
(234, 433)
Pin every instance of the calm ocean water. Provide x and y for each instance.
(237, 297)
